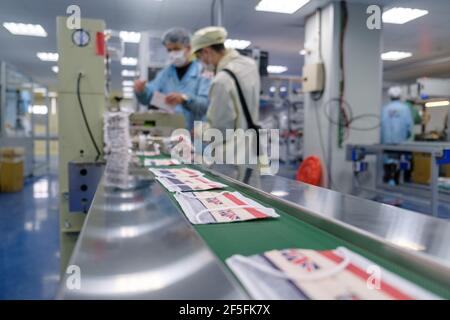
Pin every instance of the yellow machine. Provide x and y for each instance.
(81, 100)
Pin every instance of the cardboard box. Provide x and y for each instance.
(421, 172)
(11, 169)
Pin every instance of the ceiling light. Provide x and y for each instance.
(237, 44)
(303, 52)
(127, 61)
(48, 56)
(55, 69)
(395, 55)
(127, 89)
(127, 83)
(280, 6)
(130, 36)
(402, 15)
(276, 69)
(129, 73)
(24, 29)
(443, 103)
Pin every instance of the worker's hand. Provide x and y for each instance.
(139, 85)
(174, 98)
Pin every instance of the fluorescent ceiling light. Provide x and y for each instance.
(127, 83)
(280, 6)
(129, 73)
(237, 44)
(127, 89)
(402, 15)
(127, 61)
(443, 103)
(276, 69)
(130, 36)
(55, 69)
(38, 109)
(48, 56)
(303, 52)
(395, 55)
(24, 29)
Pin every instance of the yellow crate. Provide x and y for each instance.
(421, 168)
(11, 175)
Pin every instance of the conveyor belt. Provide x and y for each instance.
(137, 243)
(254, 237)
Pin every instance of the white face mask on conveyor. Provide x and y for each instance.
(207, 210)
(318, 275)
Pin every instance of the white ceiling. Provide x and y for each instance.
(282, 35)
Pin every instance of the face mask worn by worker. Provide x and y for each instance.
(177, 58)
(207, 66)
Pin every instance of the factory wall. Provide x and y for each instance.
(363, 86)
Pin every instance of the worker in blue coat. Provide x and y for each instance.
(182, 81)
(396, 120)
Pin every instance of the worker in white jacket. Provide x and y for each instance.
(232, 70)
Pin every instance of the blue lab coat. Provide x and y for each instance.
(396, 123)
(193, 84)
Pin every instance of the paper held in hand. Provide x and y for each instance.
(159, 100)
(337, 274)
(221, 207)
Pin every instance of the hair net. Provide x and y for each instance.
(177, 35)
(395, 92)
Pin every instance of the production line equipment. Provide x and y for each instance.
(177, 230)
(417, 171)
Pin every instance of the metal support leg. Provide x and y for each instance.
(434, 185)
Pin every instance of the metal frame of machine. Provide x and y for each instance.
(440, 155)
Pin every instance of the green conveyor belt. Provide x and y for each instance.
(287, 231)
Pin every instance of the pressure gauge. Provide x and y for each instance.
(81, 37)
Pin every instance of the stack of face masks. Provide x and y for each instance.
(161, 162)
(184, 180)
(220, 207)
(116, 128)
(325, 275)
(117, 144)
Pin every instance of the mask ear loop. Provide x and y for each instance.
(197, 216)
(201, 196)
(318, 275)
(174, 177)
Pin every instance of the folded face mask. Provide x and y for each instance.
(320, 275)
(221, 207)
(186, 183)
(161, 162)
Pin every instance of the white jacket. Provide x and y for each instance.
(225, 110)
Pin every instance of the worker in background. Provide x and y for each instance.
(182, 81)
(225, 109)
(396, 119)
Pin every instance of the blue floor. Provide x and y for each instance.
(29, 240)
